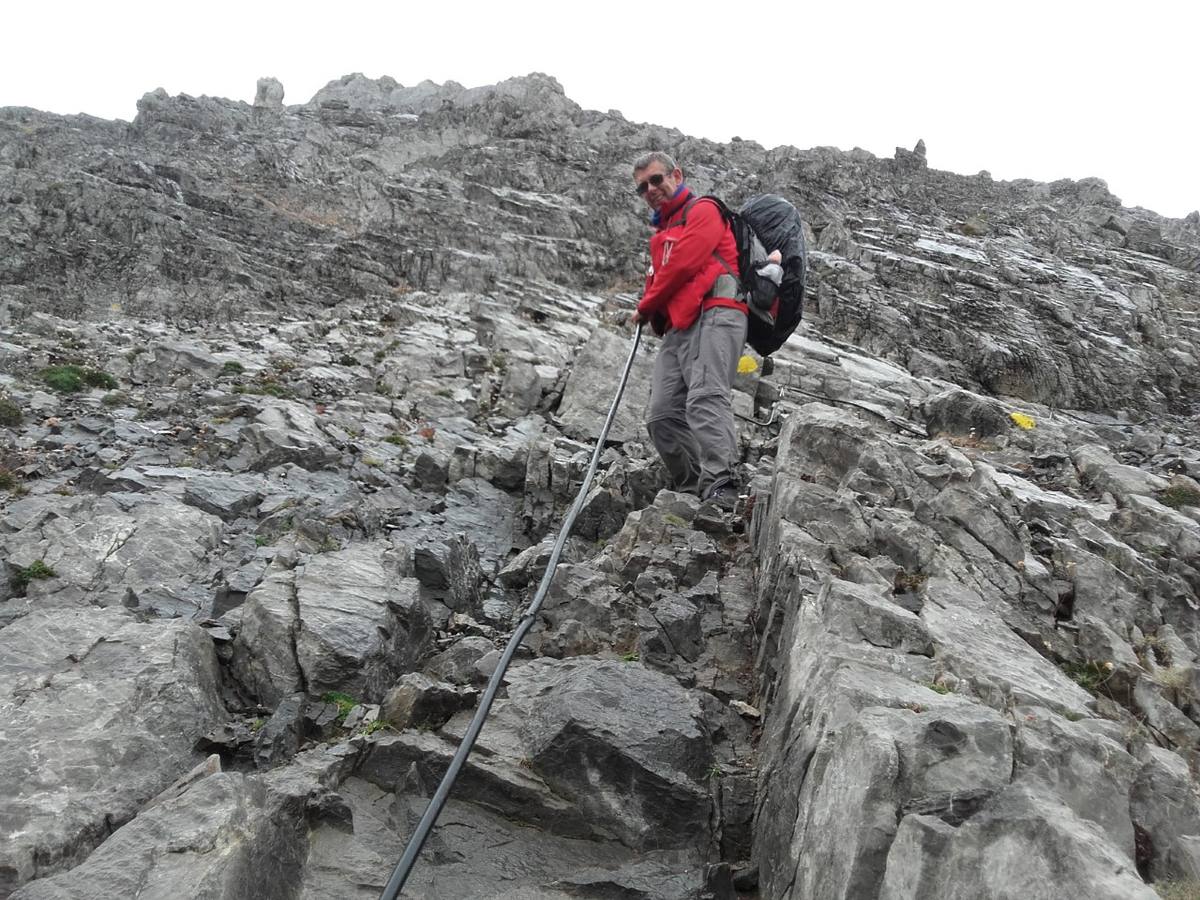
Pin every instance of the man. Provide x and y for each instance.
(691, 300)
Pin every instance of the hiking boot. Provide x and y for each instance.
(724, 498)
(717, 513)
(721, 501)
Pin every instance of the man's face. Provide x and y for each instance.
(654, 194)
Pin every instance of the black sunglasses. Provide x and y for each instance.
(656, 179)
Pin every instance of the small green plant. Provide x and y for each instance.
(672, 519)
(8, 480)
(500, 361)
(256, 725)
(261, 540)
(347, 360)
(937, 688)
(113, 398)
(1178, 496)
(714, 772)
(64, 379)
(374, 726)
(344, 702)
(398, 439)
(10, 413)
(68, 379)
(1091, 675)
(444, 392)
(232, 367)
(274, 389)
(36, 570)
(380, 356)
(263, 385)
(97, 379)
(630, 656)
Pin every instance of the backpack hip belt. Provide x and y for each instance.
(726, 287)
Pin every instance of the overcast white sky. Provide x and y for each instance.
(1043, 90)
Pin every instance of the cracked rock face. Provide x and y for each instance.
(338, 368)
(100, 713)
(636, 770)
(906, 575)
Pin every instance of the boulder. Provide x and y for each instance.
(121, 549)
(625, 744)
(227, 497)
(230, 835)
(417, 701)
(98, 713)
(593, 383)
(341, 621)
(264, 651)
(359, 624)
(1022, 844)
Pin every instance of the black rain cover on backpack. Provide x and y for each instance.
(776, 224)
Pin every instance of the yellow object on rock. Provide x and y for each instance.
(746, 365)
(1022, 421)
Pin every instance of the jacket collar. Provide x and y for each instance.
(663, 215)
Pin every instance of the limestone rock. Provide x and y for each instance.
(591, 747)
(268, 95)
(100, 713)
(1037, 841)
(593, 384)
(359, 625)
(362, 348)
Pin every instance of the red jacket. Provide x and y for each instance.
(683, 266)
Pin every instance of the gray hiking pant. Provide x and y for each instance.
(690, 418)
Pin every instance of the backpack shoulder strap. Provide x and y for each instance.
(728, 268)
(717, 201)
(726, 214)
(686, 208)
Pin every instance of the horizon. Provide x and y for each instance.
(1025, 92)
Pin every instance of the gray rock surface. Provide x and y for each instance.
(98, 714)
(638, 770)
(588, 395)
(359, 625)
(229, 835)
(964, 600)
(119, 549)
(346, 359)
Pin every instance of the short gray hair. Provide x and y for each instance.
(655, 156)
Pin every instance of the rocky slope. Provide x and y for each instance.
(295, 396)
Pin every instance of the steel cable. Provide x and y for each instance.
(404, 867)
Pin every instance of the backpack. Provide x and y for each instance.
(765, 223)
